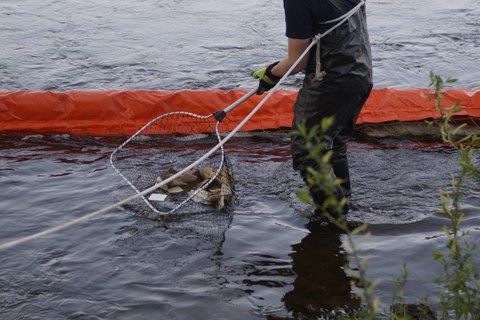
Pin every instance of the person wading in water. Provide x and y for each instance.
(338, 81)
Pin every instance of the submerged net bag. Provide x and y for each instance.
(167, 145)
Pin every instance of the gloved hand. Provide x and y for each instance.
(267, 79)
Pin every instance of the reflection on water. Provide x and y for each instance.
(321, 285)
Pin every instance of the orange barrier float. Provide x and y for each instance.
(117, 112)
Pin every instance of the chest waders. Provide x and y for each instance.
(338, 81)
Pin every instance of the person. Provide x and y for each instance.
(339, 89)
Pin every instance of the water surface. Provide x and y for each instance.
(187, 44)
(262, 260)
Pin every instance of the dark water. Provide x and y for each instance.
(265, 261)
(261, 261)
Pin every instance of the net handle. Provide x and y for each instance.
(241, 100)
(219, 115)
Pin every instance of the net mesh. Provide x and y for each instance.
(167, 145)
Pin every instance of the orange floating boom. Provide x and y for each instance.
(123, 112)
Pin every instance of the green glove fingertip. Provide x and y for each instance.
(259, 73)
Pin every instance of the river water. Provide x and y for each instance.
(187, 44)
(263, 260)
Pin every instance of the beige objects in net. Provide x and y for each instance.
(217, 194)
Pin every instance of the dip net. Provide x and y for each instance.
(164, 147)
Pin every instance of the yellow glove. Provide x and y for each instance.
(266, 79)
